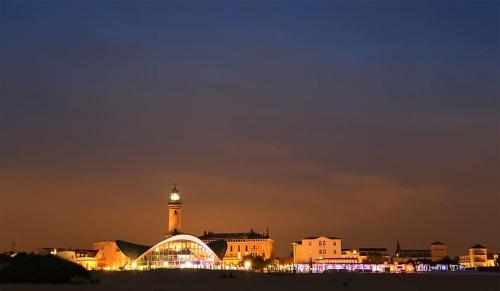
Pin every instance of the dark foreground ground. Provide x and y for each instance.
(170, 280)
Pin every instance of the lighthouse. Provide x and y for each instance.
(174, 212)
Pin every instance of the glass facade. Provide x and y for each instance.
(180, 251)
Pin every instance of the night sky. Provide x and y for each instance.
(367, 120)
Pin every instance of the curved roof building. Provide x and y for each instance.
(177, 251)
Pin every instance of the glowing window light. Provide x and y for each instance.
(248, 265)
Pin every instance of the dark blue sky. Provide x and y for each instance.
(372, 121)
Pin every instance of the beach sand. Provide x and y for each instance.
(171, 280)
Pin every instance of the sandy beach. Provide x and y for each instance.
(169, 280)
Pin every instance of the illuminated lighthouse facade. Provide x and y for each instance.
(174, 212)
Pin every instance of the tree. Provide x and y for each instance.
(258, 262)
(374, 258)
(447, 261)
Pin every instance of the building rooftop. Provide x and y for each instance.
(477, 246)
(131, 250)
(437, 243)
(232, 235)
(315, 237)
(372, 249)
(414, 251)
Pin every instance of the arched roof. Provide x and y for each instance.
(178, 237)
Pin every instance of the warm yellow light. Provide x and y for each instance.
(175, 197)
(134, 265)
(248, 264)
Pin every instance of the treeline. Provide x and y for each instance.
(31, 268)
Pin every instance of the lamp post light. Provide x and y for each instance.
(248, 265)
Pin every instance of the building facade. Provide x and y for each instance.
(179, 251)
(319, 249)
(109, 256)
(477, 256)
(240, 245)
(439, 251)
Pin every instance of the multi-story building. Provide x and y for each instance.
(477, 256)
(242, 244)
(319, 249)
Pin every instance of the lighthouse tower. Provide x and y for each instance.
(174, 212)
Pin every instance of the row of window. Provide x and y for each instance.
(323, 243)
(323, 252)
(246, 248)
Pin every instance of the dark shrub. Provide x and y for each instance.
(42, 269)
